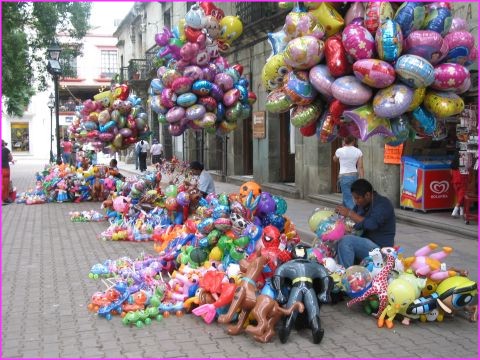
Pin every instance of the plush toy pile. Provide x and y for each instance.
(391, 69)
(196, 88)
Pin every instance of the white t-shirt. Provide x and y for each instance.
(348, 157)
(144, 147)
(205, 182)
(156, 149)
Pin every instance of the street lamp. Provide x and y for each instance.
(55, 70)
(51, 104)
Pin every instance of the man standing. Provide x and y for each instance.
(205, 181)
(142, 157)
(374, 215)
(66, 150)
(7, 158)
(157, 152)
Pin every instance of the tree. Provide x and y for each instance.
(28, 29)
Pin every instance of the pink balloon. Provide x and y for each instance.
(225, 81)
(358, 42)
(458, 24)
(451, 77)
(168, 98)
(356, 10)
(459, 38)
(321, 79)
(427, 44)
(175, 114)
(193, 72)
(182, 85)
(350, 91)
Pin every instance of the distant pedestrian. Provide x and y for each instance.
(157, 152)
(67, 146)
(144, 147)
(459, 182)
(351, 168)
(7, 158)
(136, 153)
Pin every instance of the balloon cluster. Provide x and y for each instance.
(112, 121)
(381, 69)
(196, 88)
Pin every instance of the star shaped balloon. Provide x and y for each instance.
(368, 123)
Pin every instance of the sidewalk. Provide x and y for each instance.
(300, 210)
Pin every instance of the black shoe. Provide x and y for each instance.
(317, 332)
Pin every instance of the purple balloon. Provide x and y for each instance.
(427, 44)
(266, 204)
(321, 79)
(209, 72)
(216, 92)
(458, 24)
(175, 114)
(225, 81)
(222, 63)
(195, 112)
(176, 129)
(126, 132)
(193, 72)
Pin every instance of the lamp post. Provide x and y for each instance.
(51, 104)
(55, 70)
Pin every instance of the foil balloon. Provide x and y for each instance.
(304, 115)
(230, 29)
(392, 101)
(401, 131)
(209, 102)
(231, 96)
(210, 9)
(202, 87)
(309, 130)
(195, 112)
(368, 123)
(349, 90)
(319, 215)
(441, 131)
(175, 114)
(423, 121)
(212, 27)
(336, 56)
(458, 24)
(389, 40)
(451, 77)
(168, 98)
(321, 79)
(373, 72)
(303, 52)
(439, 20)
(298, 88)
(355, 11)
(195, 17)
(414, 71)
(418, 96)
(187, 99)
(273, 72)
(169, 76)
(326, 128)
(157, 86)
(298, 24)
(278, 41)
(280, 205)
(375, 13)
(443, 104)
(427, 44)
(176, 129)
(224, 81)
(459, 44)
(328, 18)
(358, 42)
(182, 85)
(410, 16)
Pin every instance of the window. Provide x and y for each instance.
(108, 63)
(167, 18)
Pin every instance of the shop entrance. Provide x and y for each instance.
(287, 157)
(335, 166)
(20, 137)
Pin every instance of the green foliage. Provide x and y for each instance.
(28, 29)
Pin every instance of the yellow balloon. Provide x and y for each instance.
(318, 216)
(216, 254)
(329, 18)
(285, 5)
(181, 30)
(105, 97)
(312, 5)
(273, 72)
(230, 28)
(418, 97)
(443, 104)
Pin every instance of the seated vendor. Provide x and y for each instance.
(113, 170)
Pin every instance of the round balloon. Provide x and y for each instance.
(187, 99)
(451, 77)
(410, 16)
(304, 115)
(426, 44)
(303, 52)
(358, 42)
(389, 41)
(439, 20)
(418, 96)
(278, 101)
(336, 57)
(414, 71)
(375, 73)
(423, 121)
(321, 79)
(392, 101)
(443, 104)
(376, 13)
(349, 90)
(298, 87)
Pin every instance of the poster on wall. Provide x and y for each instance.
(20, 137)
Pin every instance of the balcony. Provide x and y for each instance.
(153, 63)
(137, 70)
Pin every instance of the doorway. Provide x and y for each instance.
(247, 151)
(287, 157)
(335, 166)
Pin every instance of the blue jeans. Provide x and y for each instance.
(345, 185)
(352, 249)
(66, 158)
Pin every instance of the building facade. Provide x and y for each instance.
(265, 147)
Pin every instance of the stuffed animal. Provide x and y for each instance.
(426, 264)
(401, 293)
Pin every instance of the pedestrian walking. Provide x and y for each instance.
(157, 152)
(136, 154)
(7, 158)
(67, 146)
(144, 147)
(351, 168)
(459, 182)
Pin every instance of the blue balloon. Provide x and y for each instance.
(389, 40)
(202, 87)
(187, 99)
(220, 111)
(439, 20)
(278, 41)
(243, 93)
(424, 122)
(410, 16)
(157, 86)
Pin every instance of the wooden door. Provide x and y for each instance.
(287, 160)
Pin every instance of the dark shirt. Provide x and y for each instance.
(5, 158)
(378, 224)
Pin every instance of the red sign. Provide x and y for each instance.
(438, 190)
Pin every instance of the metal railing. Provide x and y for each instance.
(137, 70)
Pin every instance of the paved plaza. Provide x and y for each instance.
(46, 259)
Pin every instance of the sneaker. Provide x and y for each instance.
(455, 211)
(461, 210)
